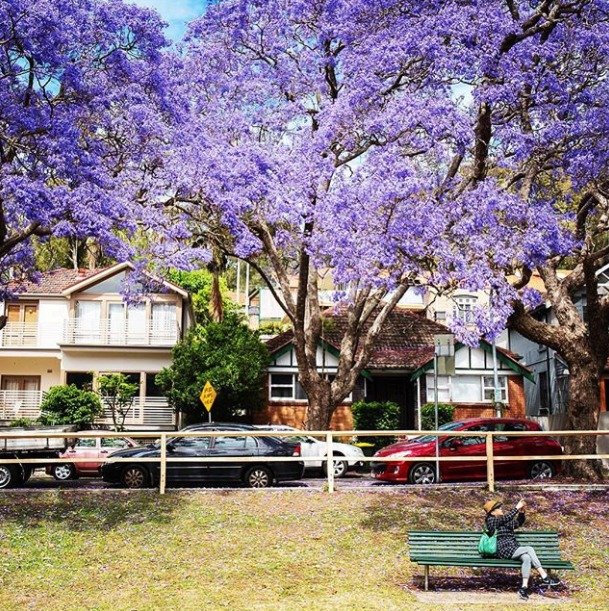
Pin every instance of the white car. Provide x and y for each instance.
(314, 450)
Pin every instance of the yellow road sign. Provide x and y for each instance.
(208, 396)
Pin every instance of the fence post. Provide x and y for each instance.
(163, 479)
(330, 457)
(490, 465)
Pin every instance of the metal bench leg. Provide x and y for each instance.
(426, 568)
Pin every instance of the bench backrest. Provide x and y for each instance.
(452, 544)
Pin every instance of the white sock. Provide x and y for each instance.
(542, 574)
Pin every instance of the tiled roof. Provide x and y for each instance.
(405, 341)
(53, 282)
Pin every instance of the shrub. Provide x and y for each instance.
(227, 354)
(19, 422)
(70, 405)
(376, 416)
(446, 414)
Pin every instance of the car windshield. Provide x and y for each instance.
(449, 426)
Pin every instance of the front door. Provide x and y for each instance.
(397, 390)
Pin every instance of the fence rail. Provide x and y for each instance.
(16, 334)
(489, 457)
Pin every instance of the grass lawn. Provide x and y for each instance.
(266, 549)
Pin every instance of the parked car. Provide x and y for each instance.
(259, 474)
(424, 447)
(96, 449)
(315, 450)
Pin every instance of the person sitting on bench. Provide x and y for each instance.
(507, 546)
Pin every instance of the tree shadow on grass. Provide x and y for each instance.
(87, 510)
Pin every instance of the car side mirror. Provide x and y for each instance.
(455, 444)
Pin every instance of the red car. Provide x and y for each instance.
(96, 449)
(424, 471)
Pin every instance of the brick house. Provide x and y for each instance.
(400, 370)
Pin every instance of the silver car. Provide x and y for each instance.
(315, 450)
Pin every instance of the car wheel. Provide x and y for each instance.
(340, 468)
(134, 477)
(7, 476)
(258, 477)
(541, 470)
(423, 473)
(64, 472)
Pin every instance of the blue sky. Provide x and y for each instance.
(176, 12)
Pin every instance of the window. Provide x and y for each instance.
(152, 390)
(86, 443)
(543, 391)
(489, 388)
(114, 442)
(199, 443)
(466, 389)
(228, 443)
(286, 386)
(464, 308)
(443, 388)
(82, 380)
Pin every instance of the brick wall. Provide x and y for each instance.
(293, 414)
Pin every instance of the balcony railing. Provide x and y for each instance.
(19, 334)
(106, 332)
(20, 404)
(153, 412)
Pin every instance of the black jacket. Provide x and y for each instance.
(505, 525)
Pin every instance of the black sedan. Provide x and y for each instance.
(257, 474)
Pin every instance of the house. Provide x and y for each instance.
(72, 325)
(400, 370)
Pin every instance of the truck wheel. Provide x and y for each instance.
(7, 476)
(63, 473)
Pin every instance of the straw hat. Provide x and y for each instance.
(490, 506)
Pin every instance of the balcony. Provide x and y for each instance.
(107, 332)
(20, 404)
(19, 335)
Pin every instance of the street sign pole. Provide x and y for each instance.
(435, 384)
(444, 348)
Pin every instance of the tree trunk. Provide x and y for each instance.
(582, 413)
(320, 407)
(215, 303)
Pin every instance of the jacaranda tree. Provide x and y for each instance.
(352, 136)
(82, 109)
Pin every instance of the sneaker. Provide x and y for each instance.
(550, 581)
(523, 593)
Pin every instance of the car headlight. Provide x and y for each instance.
(400, 454)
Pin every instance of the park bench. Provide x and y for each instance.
(460, 548)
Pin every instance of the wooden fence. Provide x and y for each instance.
(489, 456)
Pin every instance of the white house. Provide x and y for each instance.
(74, 325)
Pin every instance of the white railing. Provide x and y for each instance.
(145, 411)
(107, 332)
(20, 404)
(19, 334)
